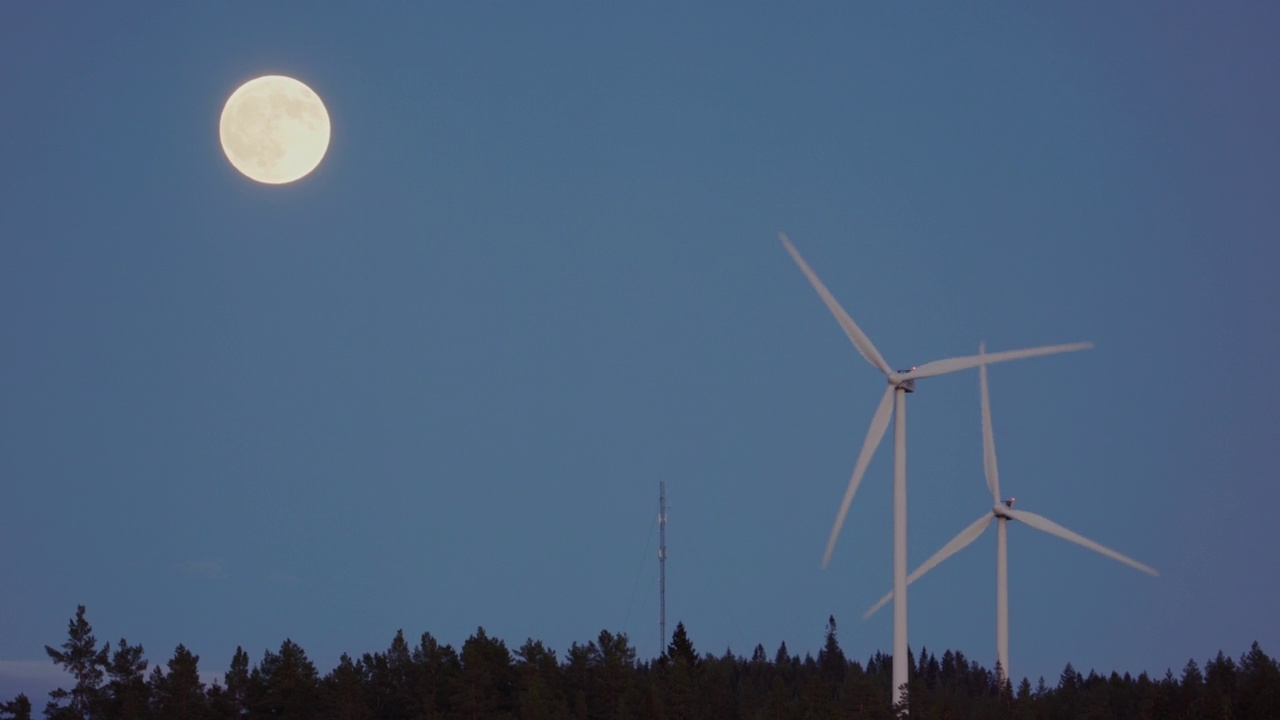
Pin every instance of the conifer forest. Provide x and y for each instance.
(602, 678)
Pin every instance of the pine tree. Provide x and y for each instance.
(221, 706)
(1067, 698)
(540, 695)
(179, 693)
(342, 692)
(1192, 701)
(1220, 685)
(615, 674)
(579, 670)
(930, 670)
(1145, 696)
(1259, 685)
(681, 647)
(717, 693)
(1000, 678)
(831, 660)
(756, 675)
(1165, 702)
(681, 676)
(486, 686)
(437, 667)
(949, 677)
(128, 695)
(394, 681)
(284, 684)
(18, 708)
(237, 679)
(82, 659)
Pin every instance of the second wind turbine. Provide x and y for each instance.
(1002, 511)
(901, 382)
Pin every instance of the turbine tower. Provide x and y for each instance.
(901, 382)
(1002, 511)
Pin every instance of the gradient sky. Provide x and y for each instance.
(435, 384)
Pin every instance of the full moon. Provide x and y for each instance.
(274, 129)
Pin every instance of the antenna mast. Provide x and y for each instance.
(662, 567)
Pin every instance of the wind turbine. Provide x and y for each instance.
(1003, 512)
(901, 382)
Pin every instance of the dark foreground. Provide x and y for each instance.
(603, 679)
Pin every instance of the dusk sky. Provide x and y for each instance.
(434, 385)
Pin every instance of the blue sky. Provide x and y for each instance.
(435, 384)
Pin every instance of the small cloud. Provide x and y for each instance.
(33, 670)
(212, 569)
(34, 678)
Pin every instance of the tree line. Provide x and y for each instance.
(603, 679)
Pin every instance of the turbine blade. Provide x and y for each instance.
(955, 364)
(859, 338)
(988, 437)
(1042, 523)
(879, 423)
(876, 608)
(956, 544)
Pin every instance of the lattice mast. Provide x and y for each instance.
(662, 567)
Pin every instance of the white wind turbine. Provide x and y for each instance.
(1002, 511)
(900, 383)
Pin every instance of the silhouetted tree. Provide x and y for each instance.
(284, 684)
(486, 686)
(82, 659)
(717, 682)
(679, 676)
(342, 692)
(782, 657)
(1067, 697)
(437, 665)
(755, 679)
(615, 676)
(18, 708)
(1259, 689)
(235, 701)
(127, 693)
(179, 693)
(1220, 686)
(394, 682)
(540, 695)
(680, 647)
(831, 660)
(579, 671)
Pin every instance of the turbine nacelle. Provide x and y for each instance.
(1001, 510)
(898, 379)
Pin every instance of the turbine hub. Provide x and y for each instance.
(895, 379)
(1001, 510)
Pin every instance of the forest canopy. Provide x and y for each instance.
(484, 679)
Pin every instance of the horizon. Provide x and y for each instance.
(36, 679)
